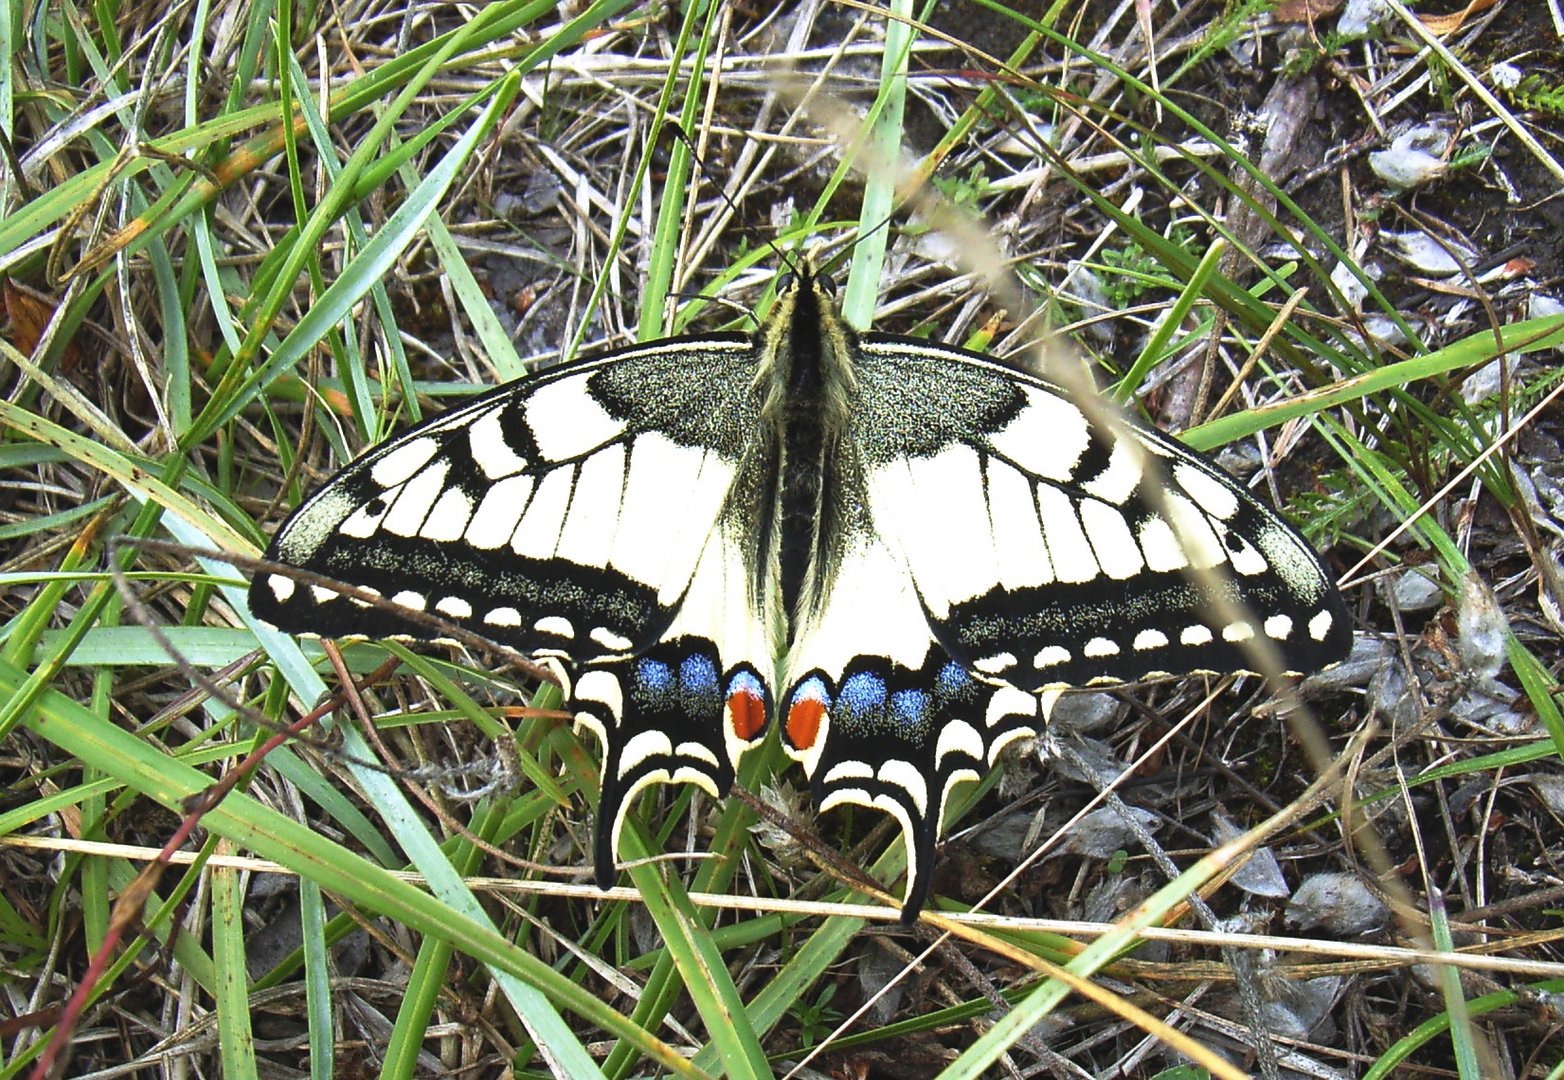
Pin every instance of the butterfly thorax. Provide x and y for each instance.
(808, 384)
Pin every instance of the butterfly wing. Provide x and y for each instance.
(880, 714)
(1015, 547)
(580, 516)
(1067, 556)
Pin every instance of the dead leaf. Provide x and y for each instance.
(1305, 11)
(1444, 25)
(30, 313)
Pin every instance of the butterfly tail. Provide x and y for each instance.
(671, 715)
(899, 740)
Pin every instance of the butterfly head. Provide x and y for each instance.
(806, 277)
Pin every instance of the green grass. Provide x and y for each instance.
(236, 288)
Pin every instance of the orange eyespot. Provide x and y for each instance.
(803, 722)
(746, 714)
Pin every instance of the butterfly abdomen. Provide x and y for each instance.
(809, 399)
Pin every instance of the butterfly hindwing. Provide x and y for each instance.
(881, 715)
(685, 709)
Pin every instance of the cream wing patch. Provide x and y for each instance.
(951, 558)
(566, 420)
(883, 615)
(1017, 529)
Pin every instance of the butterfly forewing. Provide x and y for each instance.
(564, 512)
(1065, 553)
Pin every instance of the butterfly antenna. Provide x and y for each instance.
(842, 256)
(785, 258)
(721, 301)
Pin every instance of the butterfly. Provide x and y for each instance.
(899, 551)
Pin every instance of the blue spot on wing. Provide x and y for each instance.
(745, 682)
(687, 682)
(654, 676)
(879, 699)
(866, 703)
(698, 674)
(911, 707)
(862, 696)
(812, 689)
(953, 680)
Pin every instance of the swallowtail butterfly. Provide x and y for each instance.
(900, 550)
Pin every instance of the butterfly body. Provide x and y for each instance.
(895, 548)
